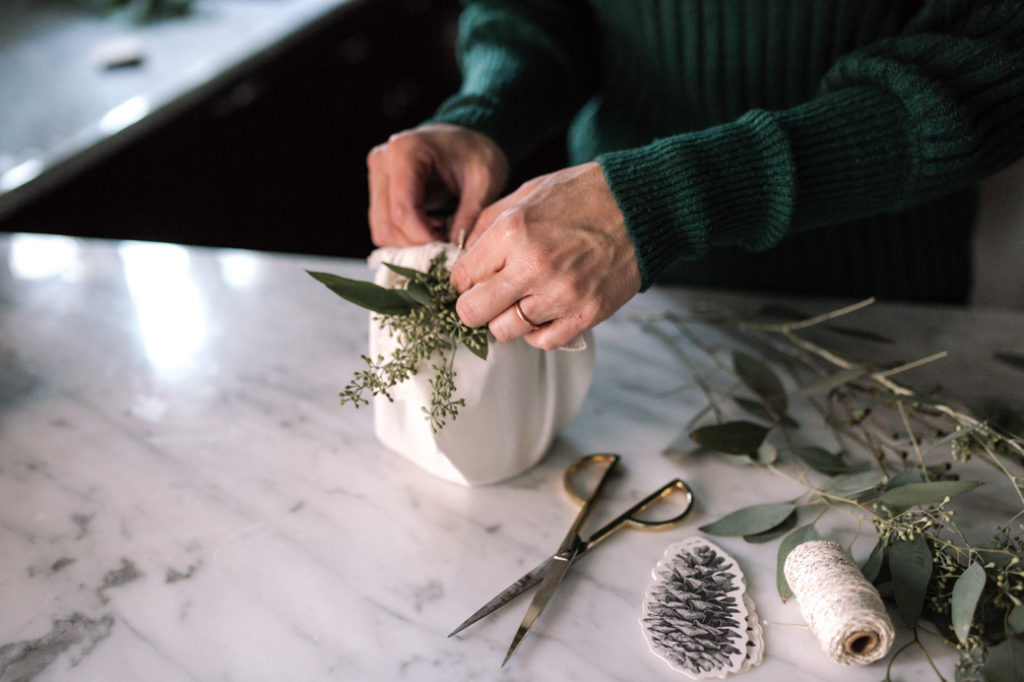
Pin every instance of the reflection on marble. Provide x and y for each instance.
(183, 499)
(41, 256)
(167, 301)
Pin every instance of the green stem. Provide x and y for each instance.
(913, 439)
(811, 321)
(895, 655)
(927, 656)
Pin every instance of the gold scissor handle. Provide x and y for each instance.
(676, 484)
(631, 517)
(574, 468)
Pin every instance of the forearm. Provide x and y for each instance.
(527, 67)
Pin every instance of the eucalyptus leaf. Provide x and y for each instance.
(751, 520)
(1004, 661)
(366, 294)
(415, 290)
(934, 492)
(419, 293)
(760, 379)
(905, 477)
(477, 347)
(966, 592)
(734, 438)
(833, 381)
(851, 486)
(822, 460)
(789, 543)
(409, 273)
(736, 460)
(873, 566)
(757, 409)
(1015, 620)
(777, 532)
(766, 454)
(910, 562)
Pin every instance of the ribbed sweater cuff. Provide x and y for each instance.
(681, 195)
(749, 182)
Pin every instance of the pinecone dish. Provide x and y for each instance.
(696, 615)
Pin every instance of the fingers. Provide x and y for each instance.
(381, 230)
(514, 321)
(410, 168)
(494, 286)
(559, 247)
(486, 300)
(551, 311)
(483, 259)
(397, 183)
(491, 240)
(548, 335)
(418, 168)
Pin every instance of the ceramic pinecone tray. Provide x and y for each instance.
(697, 615)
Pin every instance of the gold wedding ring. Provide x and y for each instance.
(523, 317)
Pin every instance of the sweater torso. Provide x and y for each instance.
(671, 66)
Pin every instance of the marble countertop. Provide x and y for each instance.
(62, 110)
(182, 498)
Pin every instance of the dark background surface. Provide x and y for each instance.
(276, 159)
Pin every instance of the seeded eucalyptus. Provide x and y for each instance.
(897, 468)
(421, 317)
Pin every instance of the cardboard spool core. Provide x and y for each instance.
(860, 643)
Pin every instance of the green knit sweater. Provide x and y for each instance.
(728, 128)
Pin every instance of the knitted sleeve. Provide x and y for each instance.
(895, 123)
(527, 67)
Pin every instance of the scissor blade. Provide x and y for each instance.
(506, 595)
(559, 566)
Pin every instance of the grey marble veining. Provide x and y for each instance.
(181, 497)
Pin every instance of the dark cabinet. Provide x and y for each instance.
(274, 159)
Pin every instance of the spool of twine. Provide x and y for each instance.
(843, 610)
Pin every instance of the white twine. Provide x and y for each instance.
(843, 610)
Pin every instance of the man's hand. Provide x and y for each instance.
(424, 168)
(558, 246)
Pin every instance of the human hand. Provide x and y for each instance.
(420, 169)
(558, 247)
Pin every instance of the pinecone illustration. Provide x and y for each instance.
(694, 614)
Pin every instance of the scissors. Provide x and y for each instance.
(549, 573)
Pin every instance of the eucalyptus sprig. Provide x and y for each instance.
(892, 459)
(420, 315)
